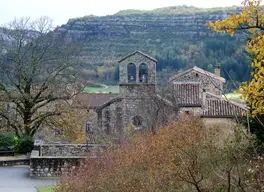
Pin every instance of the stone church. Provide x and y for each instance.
(137, 103)
(195, 91)
(140, 103)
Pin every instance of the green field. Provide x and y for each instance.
(45, 189)
(115, 89)
(234, 97)
(107, 89)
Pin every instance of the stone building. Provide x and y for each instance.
(195, 91)
(199, 92)
(210, 82)
(137, 103)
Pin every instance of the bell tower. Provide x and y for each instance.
(137, 70)
(137, 85)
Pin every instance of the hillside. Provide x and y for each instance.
(176, 36)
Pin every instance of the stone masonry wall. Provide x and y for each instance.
(209, 84)
(137, 59)
(53, 166)
(64, 150)
(55, 160)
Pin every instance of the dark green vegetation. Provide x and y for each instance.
(10, 142)
(176, 36)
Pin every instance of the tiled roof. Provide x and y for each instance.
(109, 102)
(141, 53)
(199, 70)
(220, 107)
(93, 100)
(187, 93)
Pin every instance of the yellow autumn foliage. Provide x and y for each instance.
(251, 19)
(71, 123)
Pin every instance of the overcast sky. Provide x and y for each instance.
(62, 10)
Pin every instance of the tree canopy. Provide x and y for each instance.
(37, 70)
(250, 19)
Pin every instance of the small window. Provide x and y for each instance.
(58, 132)
(137, 121)
(197, 75)
(88, 127)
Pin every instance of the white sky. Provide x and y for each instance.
(62, 10)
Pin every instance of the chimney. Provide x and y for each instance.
(217, 70)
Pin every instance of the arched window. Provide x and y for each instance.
(137, 121)
(143, 73)
(88, 127)
(131, 72)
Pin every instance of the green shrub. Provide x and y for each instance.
(25, 144)
(7, 139)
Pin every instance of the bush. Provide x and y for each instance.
(25, 144)
(180, 157)
(7, 139)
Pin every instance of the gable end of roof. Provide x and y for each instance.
(139, 52)
(199, 70)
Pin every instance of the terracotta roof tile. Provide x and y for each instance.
(222, 108)
(187, 93)
(93, 100)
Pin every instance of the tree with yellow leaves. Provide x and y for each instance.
(71, 123)
(251, 19)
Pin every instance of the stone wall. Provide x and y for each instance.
(64, 150)
(196, 111)
(208, 83)
(138, 101)
(223, 129)
(137, 58)
(53, 166)
(53, 160)
(112, 119)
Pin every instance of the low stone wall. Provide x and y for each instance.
(14, 162)
(63, 150)
(53, 160)
(53, 166)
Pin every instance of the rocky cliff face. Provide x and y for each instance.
(112, 37)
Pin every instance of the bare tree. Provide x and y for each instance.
(37, 70)
(159, 108)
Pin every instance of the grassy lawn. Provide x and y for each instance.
(234, 97)
(45, 189)
(110, 88)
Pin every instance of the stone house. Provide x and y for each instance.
(210, 82)
(199, 92)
